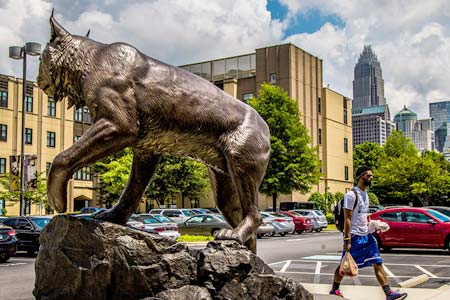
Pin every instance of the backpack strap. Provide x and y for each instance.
(356, 197)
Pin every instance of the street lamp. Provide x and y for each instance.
(17, 52)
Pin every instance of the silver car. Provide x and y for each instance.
(317, 217)
(266, 228)
(282, 225)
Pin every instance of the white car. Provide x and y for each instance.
(150, 224)
(178, 215)
(282, 225)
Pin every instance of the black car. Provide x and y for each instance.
(28, 231)
(7, 242)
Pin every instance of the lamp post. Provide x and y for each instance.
(17, 52)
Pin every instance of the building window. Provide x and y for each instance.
(28, 136)
(246, 97)
(344, 100)
(320, 137)
(83, 174)
(86, 115)
(3, 132)
(3, 99)
(319, 105)
(29, 104)
(78, 115)
(346, 173)
(345, 116)
(346, 145)
(51, 136)
(76, 138)
(273, 78)
(47, 167)
(51, 107)
(2, 166)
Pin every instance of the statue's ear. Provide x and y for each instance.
(56, 30)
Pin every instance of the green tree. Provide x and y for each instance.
(36, 196)
(373, 199)
(293, 165)
(397, 144)
(318, 199)
(173, 176)
(368, 154)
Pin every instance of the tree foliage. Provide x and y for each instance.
(368, 154)
(174, 176)
(293, 165)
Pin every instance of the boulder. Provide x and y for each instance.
(89, 259)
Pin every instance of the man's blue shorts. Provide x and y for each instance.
(365, 250)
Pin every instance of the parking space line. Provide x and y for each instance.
(12, 264)
(425, 271)
(317, 272)
(286, 265)
(390, 274)
(360, 275)
(295, 240)
(356, 280)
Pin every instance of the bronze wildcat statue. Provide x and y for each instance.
(154, 108)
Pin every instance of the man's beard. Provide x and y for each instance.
(367, 183)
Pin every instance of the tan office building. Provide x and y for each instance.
(300, 74)
(49, 129)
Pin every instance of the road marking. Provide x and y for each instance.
(359, 275)
(356, 280)
(12, 264)
(425, 271)
(286, 265)
(390, 274)
(295, 240)
(323, 257)
(317, 272)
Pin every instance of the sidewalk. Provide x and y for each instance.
(375, 293)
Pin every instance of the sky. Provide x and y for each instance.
(411, 38)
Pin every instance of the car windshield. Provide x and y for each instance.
(41, 222)
(145, 219)
(220, 217)
(438, 215)
(279, 215)
(162, 218)
(188, 213)
(319, 212)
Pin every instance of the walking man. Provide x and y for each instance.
(357, 239)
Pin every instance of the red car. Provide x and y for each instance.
(413, 227)
(302, 223)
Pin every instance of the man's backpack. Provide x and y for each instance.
(338, 213)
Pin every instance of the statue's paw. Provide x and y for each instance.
(228, 234)
(109, 215)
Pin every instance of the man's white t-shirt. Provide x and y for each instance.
(359, 217)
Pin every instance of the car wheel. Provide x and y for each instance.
(299, 231)
(272, 233)
(318, 229)
(292, 232)
(214, 232)
(282, 233)
(4, 258)
(378, 239)
(258, 236)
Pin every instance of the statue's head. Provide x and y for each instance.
(58, 60)
(48, 79)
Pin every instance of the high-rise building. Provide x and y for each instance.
(49, 129)
(371, 116)
(371, 124)
(368, 84)
(420, 132)
(324, 112)
(440, 113)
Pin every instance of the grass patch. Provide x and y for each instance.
(194, 238)
(330, 227)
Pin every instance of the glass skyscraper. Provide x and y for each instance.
(440, 113)
(368, 85)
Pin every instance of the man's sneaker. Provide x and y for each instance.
(396, 296)
(339, 294)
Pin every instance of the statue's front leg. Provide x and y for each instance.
(100, 140)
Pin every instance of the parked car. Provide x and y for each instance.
(28, 231)
(201, 211)
(2, 218)
(317, 217)
(91, 210)
(169, 230)
(266, 228)
(176, 214)
(302, 223)
(208, 224)
(413, 227)
(442, 209)
(8, 242)
(374, 208)
(282, 225)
